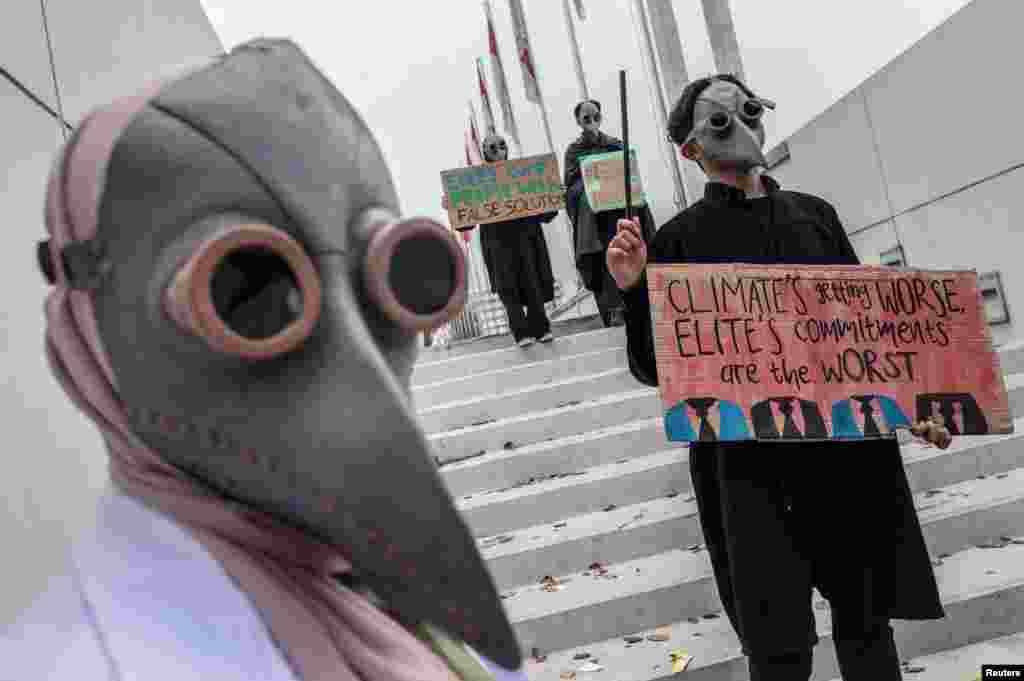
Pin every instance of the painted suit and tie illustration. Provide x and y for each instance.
(788, 417)
(866, 416)
(706, 419)
(958, 412)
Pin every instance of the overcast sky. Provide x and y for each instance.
(409, 67)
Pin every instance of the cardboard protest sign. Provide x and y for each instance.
(604, 184)
(782, 352)
(501, 191)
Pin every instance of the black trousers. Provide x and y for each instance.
(769, 551)
(533, 324)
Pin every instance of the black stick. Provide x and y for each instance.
(625, 143)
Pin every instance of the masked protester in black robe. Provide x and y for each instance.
(518, 264)
(593, 231)
(781, 517)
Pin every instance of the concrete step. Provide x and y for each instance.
(964, 663)
(548, 424)
(553, 499)
(960, 514)
(436, 370)
(480, 410)
(560, 327)
(1011, 357)
(982, 591)
(504, 468)
(491, 383)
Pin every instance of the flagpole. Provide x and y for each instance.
(577, 57)
(660, 106)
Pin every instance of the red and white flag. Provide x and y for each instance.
(485, 95)
(525, 52)
(474, 131)
(500, 82)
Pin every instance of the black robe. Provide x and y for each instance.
(514, 250)
(851, 526)
(592, 231)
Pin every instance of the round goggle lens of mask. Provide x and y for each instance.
(415, 273)
(249, 290)
(752, 110)
(588, 119)
(720, 122)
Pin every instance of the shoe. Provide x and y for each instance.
(525, 342)
(547, 338)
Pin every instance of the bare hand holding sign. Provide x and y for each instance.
(627, 254)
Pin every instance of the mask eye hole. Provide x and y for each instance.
(255, 293)
(752, 110)
(719, 121)
(249, 290)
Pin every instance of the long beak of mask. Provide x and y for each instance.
(260, 302)
(734, 140)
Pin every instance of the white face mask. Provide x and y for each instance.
(495, 148)
(728, 126)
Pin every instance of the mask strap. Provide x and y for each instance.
(82, 262)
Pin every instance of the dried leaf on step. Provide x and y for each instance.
(581, 656)
(590, 667)
(633, 639)
(680, 660)
(661, 634)
(610, 507)
(568, 676)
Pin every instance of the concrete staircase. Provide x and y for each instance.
(523, 440)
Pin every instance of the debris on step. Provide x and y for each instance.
(932, 492)
(710, 616)
(693, 620)
(508, 595)
(936, 562)
(581, 656)
(629, 522)
(482, 423)
(633, 639)
(696, 548)
(568, 676)
(661, 634)
(551, 584)
(1002, 476)
(992, 544)
(610, 507)
(672, 495)
(510, 445)
(590, 667)
(570, 403)
(559, 525)
(680, 660)
(908, 668)
(596, 570)
(449, 462)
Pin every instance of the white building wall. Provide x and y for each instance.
(54, 463)
(926, 152)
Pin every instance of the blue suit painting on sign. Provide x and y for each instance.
(706, 419)
(867, 416)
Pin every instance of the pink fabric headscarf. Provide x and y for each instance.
(325, 630)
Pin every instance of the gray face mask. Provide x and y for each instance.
(495, 148)
(728, 127)
(589, 119)
(261, 295)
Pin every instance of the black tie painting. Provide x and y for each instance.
(870, 425)
(958, 412)
(789, 418)
(701, 405)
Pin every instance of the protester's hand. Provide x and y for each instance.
(933, 432)
(627, 254)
